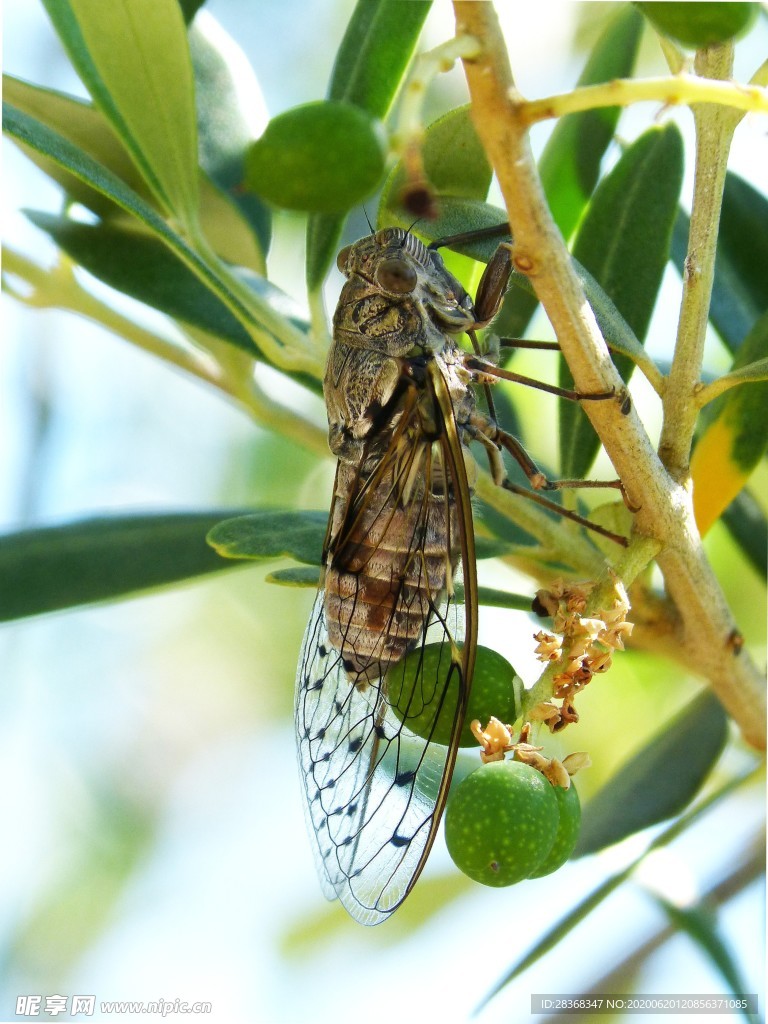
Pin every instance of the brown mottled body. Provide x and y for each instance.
(378, 594)
(393, 540)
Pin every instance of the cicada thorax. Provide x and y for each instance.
(393, 557)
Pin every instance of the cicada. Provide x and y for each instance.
(400, 394)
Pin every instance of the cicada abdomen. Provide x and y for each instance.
(393, 553)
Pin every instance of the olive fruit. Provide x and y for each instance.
(415, 689)
(567, 831)
(501, 822)
(700, 24)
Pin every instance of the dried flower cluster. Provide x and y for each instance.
(496, 739)
(583, 645)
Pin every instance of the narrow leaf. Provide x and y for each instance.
(700, 924)
(682, 754)
(570, 164)
(27, 130)
(375, 51)
(296, 576)
(571, 160)
(230, 113)
(370, 64)
(139, 265)
(735, 438)
(740, 288)
(85, 126)
(745, 521)
(48, 568)
(272, 534)
(624, 242)
(133, 58)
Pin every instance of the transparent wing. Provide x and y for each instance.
(374, 788)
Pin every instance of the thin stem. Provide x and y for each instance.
(59, 289)
(750, 374)
(714, 131)
(665, 509)
(672, 90)
(407, 138)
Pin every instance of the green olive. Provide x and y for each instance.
(697, 25)
(416, 685)
(567, 832)
(501, 822)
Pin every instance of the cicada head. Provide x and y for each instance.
(398, 266)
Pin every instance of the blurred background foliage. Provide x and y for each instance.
(156, 843)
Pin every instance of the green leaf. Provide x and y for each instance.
(139, 265)
(740, 287)
(697, 24)
(133, 58)
(624, 242)
(296, 576)
(272, 534)
(742, 242)
(323, 235)
(490, 547)
(370, 64)
(682, 755)
(85, 126)
(30, 132)
(700, 924)
(321, 157)
(375, 51)
(490, 597)
(189, 8)
(745, 521)
(570, 163)
(225, 116)
(49, 568)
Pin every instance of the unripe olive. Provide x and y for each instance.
(415, 691)
(567, 831)
(501, 822)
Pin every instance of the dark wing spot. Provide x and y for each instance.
(398, 840)
(355, 744)
(405, 778)
(322, 650)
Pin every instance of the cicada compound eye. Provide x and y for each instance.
(341, 259)
(395, 275)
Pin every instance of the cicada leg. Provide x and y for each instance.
(482, 429)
